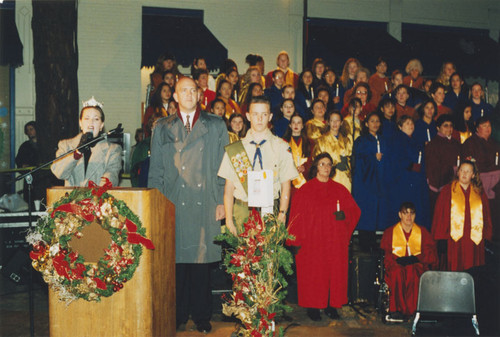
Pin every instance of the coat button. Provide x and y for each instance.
(199, 185)
(183, 185)
(199, 203)
(180, 150)
(183, 204)
(183, 168)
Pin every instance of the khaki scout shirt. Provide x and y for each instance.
(276, 156)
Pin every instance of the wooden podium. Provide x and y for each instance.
(146, 304)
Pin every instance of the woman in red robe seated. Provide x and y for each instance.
(322, 218)
(462, 220)
(409, 252)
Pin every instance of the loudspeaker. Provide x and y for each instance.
(362, 274)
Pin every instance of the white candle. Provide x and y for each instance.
(458, 161)
(496, 159)
(337, 91)
(205, 101)
(482, 112)
(235, 96)
(428, 135)
(338, 205)
(378, 146)
(386, 89)
(411, 83)
(419, 157)
(312, 94)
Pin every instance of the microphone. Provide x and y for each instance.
(118, 130)
(86, 138)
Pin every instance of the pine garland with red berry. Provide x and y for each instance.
(255, 262)
(63, 268)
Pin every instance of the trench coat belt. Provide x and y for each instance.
(245, 203)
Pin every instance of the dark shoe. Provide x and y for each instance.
(204, 326)
(314, 314)
(332, 313)
(397, 316)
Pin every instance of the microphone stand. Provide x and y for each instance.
(28, 177)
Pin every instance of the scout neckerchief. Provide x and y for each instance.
(258, 153)
(240, 162)
(297, 155)
(400, 246)
(457, 214)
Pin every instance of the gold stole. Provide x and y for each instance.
(457, 214)
(400, 245)
(464, 136)
(297, 158)
(289, 77)
(314, 128)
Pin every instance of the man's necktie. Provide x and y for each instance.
(188, 125)
(258, 154)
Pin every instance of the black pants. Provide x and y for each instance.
(193, 294)
(367, 240)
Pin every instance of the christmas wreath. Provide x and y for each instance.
(63, 267)
(255, 261)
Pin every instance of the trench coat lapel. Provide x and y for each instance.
(199, 129)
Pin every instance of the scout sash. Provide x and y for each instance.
(400, 245)
(457, 214)
(240, 162)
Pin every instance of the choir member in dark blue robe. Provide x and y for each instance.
(387, 113)
(458, 92)
(371, 181)
(479, 106)
(409, 182)
(425, 126)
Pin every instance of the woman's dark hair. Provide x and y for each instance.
(314, 168)
(249, 92)
(253, 59)
(227, 65)
(479, 121)
(327, 118)
(194, 65)
(301, 87)
(93, 107)
(364, 127)
(364, 85)
(33, 124)
(403, 119)
(156, 101)
(306, 145)
(435, 86)
(243, 131)
(219, 86)
(315, 63)
(421, 108)
(382, 104)
(460, 124)
(217, 100)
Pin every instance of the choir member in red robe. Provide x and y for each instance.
(441, 155)
(437, 91)
(409, 251)
(322, 218)
(462, 219)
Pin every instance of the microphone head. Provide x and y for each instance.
(87, 136)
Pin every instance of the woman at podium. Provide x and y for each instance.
(95, 162)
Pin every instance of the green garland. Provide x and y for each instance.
(255, 261)
(65, 270)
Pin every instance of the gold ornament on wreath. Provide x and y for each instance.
(92, 214)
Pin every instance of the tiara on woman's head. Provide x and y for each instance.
(91, 102)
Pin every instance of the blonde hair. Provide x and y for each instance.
(345, 73)
(414, 64)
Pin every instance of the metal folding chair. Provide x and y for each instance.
(446, 293)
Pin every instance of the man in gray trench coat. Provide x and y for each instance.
(186, 152)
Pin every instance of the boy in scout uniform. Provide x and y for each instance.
(259, 150)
